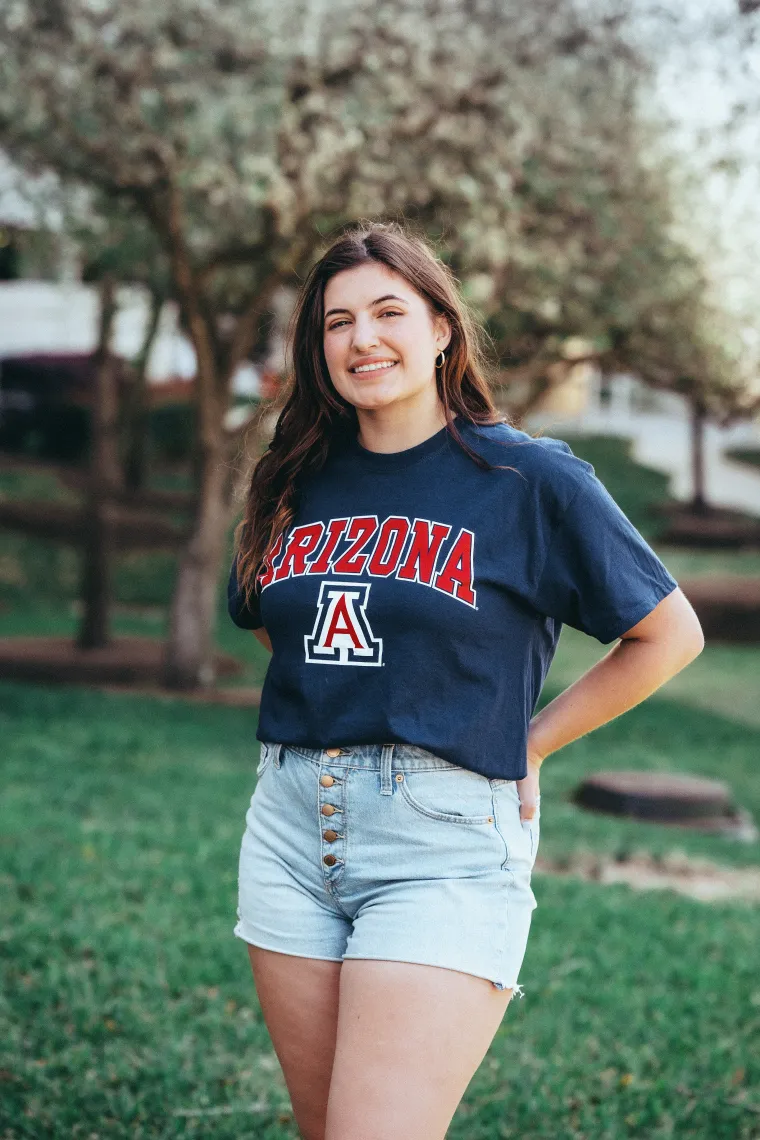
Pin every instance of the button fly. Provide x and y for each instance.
(328, 809)
(326, 781)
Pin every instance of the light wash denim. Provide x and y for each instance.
(387, 852)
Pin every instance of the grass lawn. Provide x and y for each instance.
(749, 455)
(128, 1010)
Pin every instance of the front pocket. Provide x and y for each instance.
(524, 848)
(454, 796)
(533, 828)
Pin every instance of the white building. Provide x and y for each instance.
(60, 314)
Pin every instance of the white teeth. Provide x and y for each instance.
(374, 367)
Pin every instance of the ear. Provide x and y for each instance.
(442, 330)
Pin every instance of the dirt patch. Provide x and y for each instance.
(697, 878)
(135, 662)
(728, 607)
(712, 529)
(130, 528)
(241, 697)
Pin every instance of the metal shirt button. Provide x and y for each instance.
(326, 781)
(333, 752)
(329, 860)
(330, 836)
(328, 809)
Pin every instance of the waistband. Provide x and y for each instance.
(380, 757)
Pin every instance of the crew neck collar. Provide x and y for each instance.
(395, 460)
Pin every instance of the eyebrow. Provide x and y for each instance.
(387, 297)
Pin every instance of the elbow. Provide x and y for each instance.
(694, 636)
(682, 628)
(690, 643)
(695, 645)
(676, 644)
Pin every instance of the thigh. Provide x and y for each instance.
(299, 1001)
(409, 1040)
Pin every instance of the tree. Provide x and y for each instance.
(243, 144)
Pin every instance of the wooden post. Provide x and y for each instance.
(698, 419)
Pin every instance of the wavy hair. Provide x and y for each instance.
(315, 418)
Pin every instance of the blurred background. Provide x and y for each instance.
(168, 173)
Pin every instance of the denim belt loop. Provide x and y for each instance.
(386, 763)
(276, 754)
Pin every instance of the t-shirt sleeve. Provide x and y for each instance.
(247, 617)
(600, 575)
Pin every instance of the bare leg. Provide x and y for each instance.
(299, 1001)
(409, 1040)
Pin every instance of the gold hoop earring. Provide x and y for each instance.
(440, 364)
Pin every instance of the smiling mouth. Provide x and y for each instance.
(380, 367)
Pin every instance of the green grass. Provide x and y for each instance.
(128, 1010)
(128, 1001)
(684, 563)
(749, 455)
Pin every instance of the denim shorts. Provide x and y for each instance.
(390, 852)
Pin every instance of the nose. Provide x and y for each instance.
(365, 334)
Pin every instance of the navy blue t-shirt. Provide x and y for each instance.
(417, 598)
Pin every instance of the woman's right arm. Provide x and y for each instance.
(262, 636)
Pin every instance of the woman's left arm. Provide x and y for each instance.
(647, 656)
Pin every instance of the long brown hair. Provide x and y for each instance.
(315, 417)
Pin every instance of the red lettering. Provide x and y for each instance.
(303, 541)
(456, 576)
(335, 528)
(340, 622)
(267, 574)
(390, 543)
(419, 563)
(360, 531)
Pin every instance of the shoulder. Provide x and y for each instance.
(549, 463)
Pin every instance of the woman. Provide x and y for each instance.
(409, 558)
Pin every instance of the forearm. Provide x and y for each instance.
(627, 675)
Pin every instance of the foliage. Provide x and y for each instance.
(171, 431)
(511, 135)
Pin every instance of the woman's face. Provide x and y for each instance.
(374, 316)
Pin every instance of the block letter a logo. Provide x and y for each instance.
(342, 633)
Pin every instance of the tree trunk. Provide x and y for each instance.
(698, 420)
(189, 661)
(136, 414)
(104, 477)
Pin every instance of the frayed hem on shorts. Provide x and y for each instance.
(516, 987)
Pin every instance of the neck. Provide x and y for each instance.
(397, 428)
